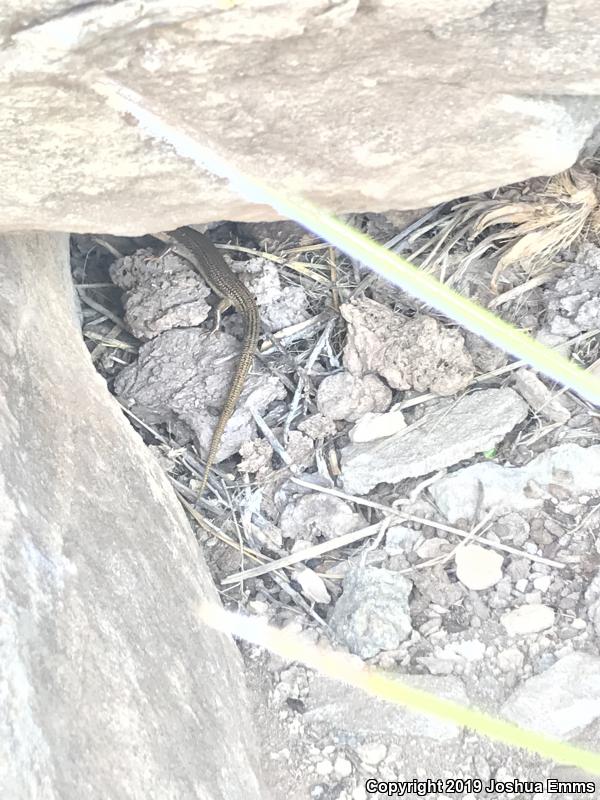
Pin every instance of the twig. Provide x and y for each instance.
(422, 521)
(304, 555)
(303, 376)
(101, 309)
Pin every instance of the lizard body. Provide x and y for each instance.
(209, 262)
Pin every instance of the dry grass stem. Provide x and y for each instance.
(523, 227)
(361, 501)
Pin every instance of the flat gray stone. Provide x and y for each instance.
(560, 701)
(111, 686)
(445, 436)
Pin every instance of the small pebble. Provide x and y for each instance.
(542, 583)
(259, 607)
(433, 548)
(324, 767)
(502, 775)
(373, 426)
(510, 659)
(528, 619)
(482, 768)
(477, 567)
(371, 753)
(342, 767)
(533, 597)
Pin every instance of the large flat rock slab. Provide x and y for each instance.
(360, 106)
(109, 685)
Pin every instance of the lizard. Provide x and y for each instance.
(211, 265)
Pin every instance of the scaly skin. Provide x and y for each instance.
(209, 262)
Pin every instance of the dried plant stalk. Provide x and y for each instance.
(529, 230)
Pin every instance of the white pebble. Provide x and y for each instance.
(374, 426)
(372, 753)
(342, 767)
(510, 659)
(471, 650)
(542, 583)
(528, 619)
(477, 567)
(259, 607)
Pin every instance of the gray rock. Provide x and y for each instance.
(346, 396)
(417, 353)
(436, 587)
(453, 431)
(561, 701)
(592, 597)
(319, 515)
(183, 377)
(527, 108)
(540, 397)
(510, 488)
(572, 304)
(513, 528)
(371, 753)
(112, 687)
(159, 293)
(372, 613)
(399, 539)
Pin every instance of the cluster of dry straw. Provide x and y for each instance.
(523, 225)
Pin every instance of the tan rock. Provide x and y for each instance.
(360, 106)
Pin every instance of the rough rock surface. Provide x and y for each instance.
(442, 437)
(183, 377)
(410, 103)
(494, 486)
(572, 305)
(159, 294)
(347, 396)
(316, 515)
(372, 614)
(561, 700)
(110, 687)
(414, 353)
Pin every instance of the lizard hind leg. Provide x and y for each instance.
(222, 306)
